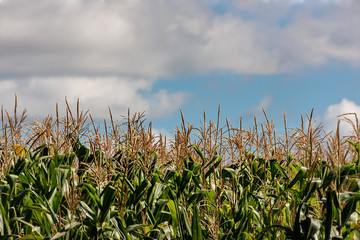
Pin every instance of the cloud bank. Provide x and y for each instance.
(132, 43)
(164, 38)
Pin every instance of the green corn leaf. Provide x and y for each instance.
(199, 153)
(197, 196)
(65, 230)
(350, 208)
(120, 228)
(20, 165)
(62, 175)
(159, 205)
(355, 145)
(20, 197)
(312, 187)
(228, 173)
(91, 192)
(151, 217)
(313, 230)
(185, 180)
(300, 175)
(214, 166)
(9, 236)
(296, 233)
(275, 165)
(132, 188)
(185, 221)
(156, 192)
(87, 210)
(108, 197)
(174, 217)
(140, 191)
(54, 217)
(196, 224)
(4, 221)
(52, 174)
(169, 175)
(30, 237)
(329, 213)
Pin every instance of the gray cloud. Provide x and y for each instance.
(165, 38)
(319, 40)
(141, 38)
(307, 33)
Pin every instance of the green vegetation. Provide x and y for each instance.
(63, 178)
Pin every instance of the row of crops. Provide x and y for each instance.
(58, 181)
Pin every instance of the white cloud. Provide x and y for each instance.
(335, 110)
(39, 95)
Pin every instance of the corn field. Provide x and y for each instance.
(65, 177)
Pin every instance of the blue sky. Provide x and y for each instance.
(157, 56)
(244, 96)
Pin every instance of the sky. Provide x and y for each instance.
(160, 56)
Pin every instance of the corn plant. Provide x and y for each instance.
(64, 178)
